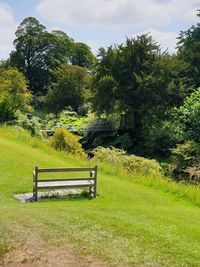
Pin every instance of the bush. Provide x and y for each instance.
(188, 115)
(186, 162)
(28, 122)
(14, 94)
(63, 140)
(124, 141)
(130, 163)
(161, 139)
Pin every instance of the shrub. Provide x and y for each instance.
(188, 116)
(124, 141)
(186, 161)
(28, 122)
(63, 140)
(14, 94)
(130, 163)
(161, 139)
(143, 166)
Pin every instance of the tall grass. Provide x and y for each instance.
(183, 191)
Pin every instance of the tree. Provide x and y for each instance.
(105, 91)
(130, 66)
(67, 88)
(28, 56)
(188, 116)
(14, 94)
(66, 43)
(141, 83)
(38, 52)
(189, 52)
(81, 55)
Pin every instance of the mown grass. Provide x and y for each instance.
(134, 220)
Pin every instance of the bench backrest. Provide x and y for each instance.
(92, 173)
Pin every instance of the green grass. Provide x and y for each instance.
(134, 221)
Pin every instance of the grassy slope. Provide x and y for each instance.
(129, 223)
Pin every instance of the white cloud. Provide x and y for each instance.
(7, 30)
(117, 13)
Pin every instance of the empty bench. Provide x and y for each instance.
(88, 181)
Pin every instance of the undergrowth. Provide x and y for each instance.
(181, 190)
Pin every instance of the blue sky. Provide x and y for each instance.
(100, 22)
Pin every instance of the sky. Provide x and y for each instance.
(101, 22)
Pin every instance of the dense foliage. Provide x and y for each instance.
(63, 140)
(67, 88)
(188, 116)
(131, 163)
(138, 82)
(14, 94)
(140, 99)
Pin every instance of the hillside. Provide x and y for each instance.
(131, 223)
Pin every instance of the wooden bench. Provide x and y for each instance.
(89, 180)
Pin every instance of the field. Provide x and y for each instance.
(134, 221)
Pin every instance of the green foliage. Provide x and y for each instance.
(189, 52)
(67, 88)
(188, 116)
(74, 122)
(161, 139)
(131, 163)
(65, 120)
(63, 140)
(186, 161)
(14, 94)
(65, 45)
(124, 142)
(31, 123)
(81, 55)
(141, 84)
(105, 91)
(37, 52)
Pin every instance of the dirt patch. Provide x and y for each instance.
(36, 253)
(46, 258)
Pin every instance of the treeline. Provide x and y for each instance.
(151, 96)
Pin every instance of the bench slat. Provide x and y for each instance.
(64, 184)
(66, 179)
(66, 169)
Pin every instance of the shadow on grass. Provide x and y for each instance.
(3, 250)
(76, 196)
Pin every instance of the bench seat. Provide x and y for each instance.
(60, 184)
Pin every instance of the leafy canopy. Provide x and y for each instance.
(67, 89)
(14, 94)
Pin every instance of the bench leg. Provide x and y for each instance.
(95, 191)
(90, 190)
(36, 194)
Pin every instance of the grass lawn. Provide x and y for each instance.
(131, 223)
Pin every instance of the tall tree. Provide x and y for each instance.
(14, 94)
(141, 83)
(189, 52)
(82, 55)
(67, 88)
(129, 65)
(37, 52)
(66, 45)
